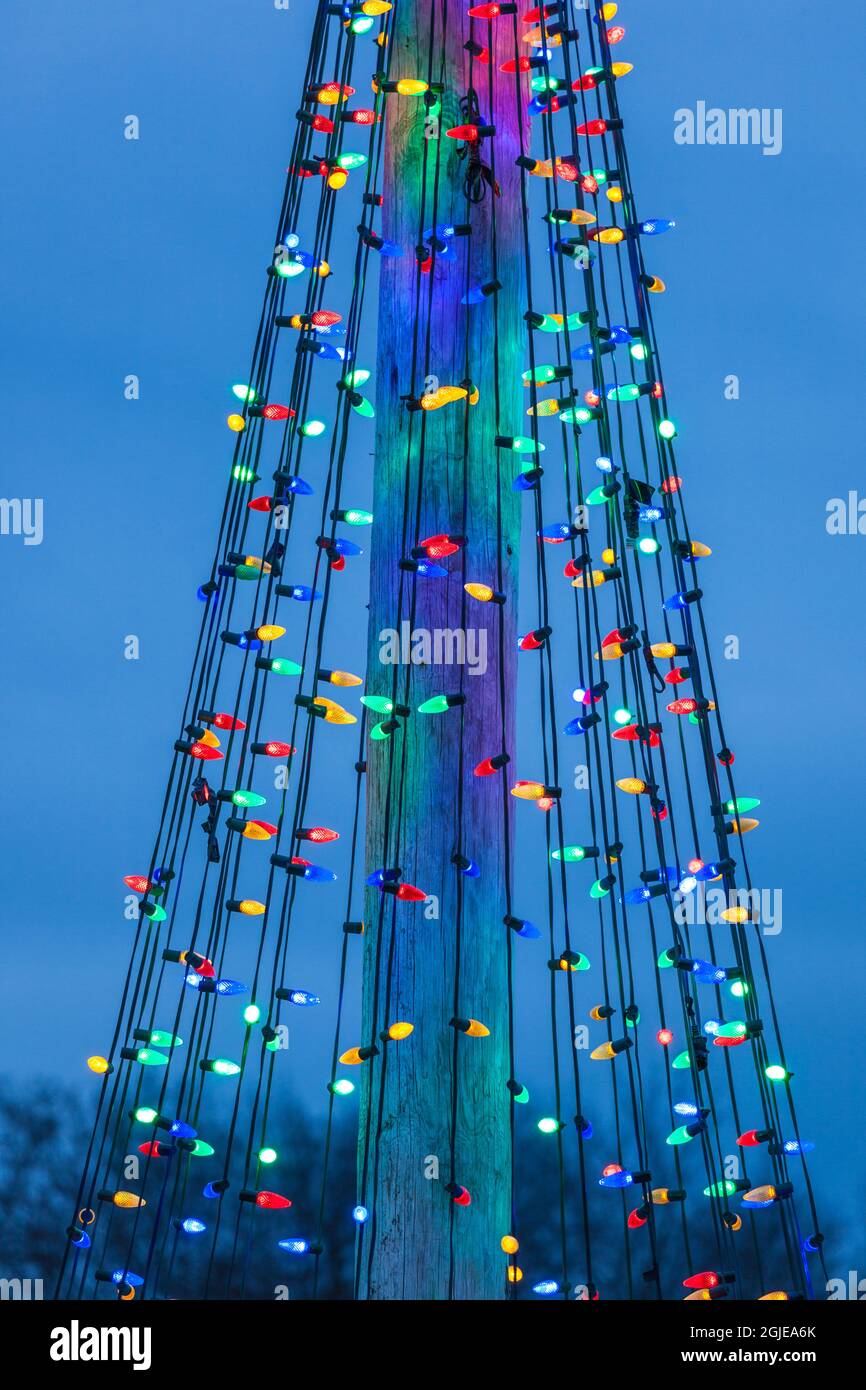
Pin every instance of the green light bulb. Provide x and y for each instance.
(244, 393)
(146, 1114)
(680, 1136)
(437, 704)
(252, 1013)
(726, 1188)
(356, 378)
(242, 474)
(379, 704)
(569, 854)
(267, 1155)
(549, 1125)
(742, 803)
(597, 890)
(667, 429)
(342, 1088)
(161, 1039)
(200, 1149)
(681, 1062)
(355, 517)
(622, 715)
(776, 1073)
(245, 798)
(281, 666)
(362, 406)
(648, 545)
(223, 1067)
(350, 161)
(148, 1058)
(638, 351)
(312, 428)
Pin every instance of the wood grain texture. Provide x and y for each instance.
(410, 1231)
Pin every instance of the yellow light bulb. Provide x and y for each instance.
(766, 1193)
(612, 652)
(528, 791)
(609, 236)
(128, 1200)
(700, 550)
(614, 193)
(236, 423)
(698, 1295)
(209, 739)
(548, 407)
(580, 218)
(621, 69)
(777, 1296)
(337, 178)
(743, 825)
(663, 649)
(98, 1065)
(443, 395)
(603, 1053)
(736, 914)
(482, 592)
(400, 1030)
(608, 11)
(609, 557)
(660, 1196)
(596, 578)
(345, 678)
(510, 1245)
(270, 632)
(477, 1030)
(334, 713)
(515, 1274)
(250, 908)
(255, 832)
(633, 785)
(411, 87)
(352, 1058)
(656, 285)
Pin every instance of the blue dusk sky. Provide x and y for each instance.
(147, 257)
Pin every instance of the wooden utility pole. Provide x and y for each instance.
(411, 958)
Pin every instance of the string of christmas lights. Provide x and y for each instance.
(693, 1062)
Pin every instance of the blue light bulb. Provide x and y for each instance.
(303, 999)
(360, 1214)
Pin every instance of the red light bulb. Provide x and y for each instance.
(665, 1037)
(597, 127)
(687, 706)
(259, 504)
(137, 883)
(319, 834)
(277, 412)
(408, 893)
(708, 1280)
(325, 318)
(227, 721)
(272, 1201)
(204, 753)
(279, 750)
